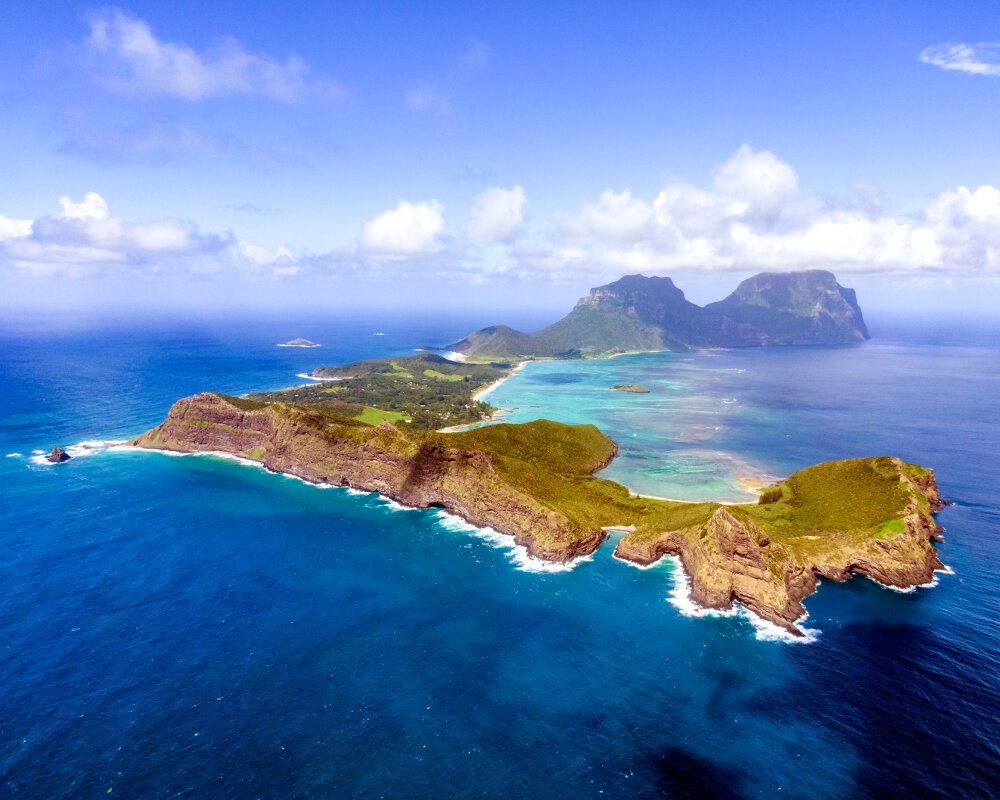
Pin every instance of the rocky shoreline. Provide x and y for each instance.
(731, 553)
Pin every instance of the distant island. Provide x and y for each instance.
(637, 313)
(381, 425)
(635, 388)
(299, 342)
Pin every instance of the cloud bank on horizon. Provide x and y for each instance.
(752, 217)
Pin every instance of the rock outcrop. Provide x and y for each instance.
(58, 456)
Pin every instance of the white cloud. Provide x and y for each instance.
(85, 235)
(681, 227)
(982, 58)
(14, 228)
(280, 261)
(613, 216)
(685, 211)
(407, 230)
(755, 219)
(93, 206)
(758, 178)
(496, 215)
(131, 60)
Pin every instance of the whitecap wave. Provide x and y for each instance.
(764, 630)
(517, 554)
(769, 632)
(934, 581)
(14, 455)
(658, 563)
(394, 505)
(90, 447)
(309, 377)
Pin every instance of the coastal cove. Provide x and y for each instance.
(250, 590)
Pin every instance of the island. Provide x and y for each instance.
(638, 313)
(409, 428)
(299, 342)
(536, 482)
(635, 388)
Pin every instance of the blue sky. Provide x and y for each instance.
(512, 155)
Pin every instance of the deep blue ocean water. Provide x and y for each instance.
(193, 627)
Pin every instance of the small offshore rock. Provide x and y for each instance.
(58, 455)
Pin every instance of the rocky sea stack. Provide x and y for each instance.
(58, 456)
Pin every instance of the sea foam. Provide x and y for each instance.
(517, 554)
(680, 598)
(91, 447)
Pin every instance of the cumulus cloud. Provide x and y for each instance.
(93, 206)
(86, 236)
(752, 217)
(496, 215)
(14, 228)
(409, 229)
(758, 178)
(982, 58)
(279, 262)
(130, 59)
(755, 218)
(616, 216)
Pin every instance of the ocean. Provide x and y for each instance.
(196, 627)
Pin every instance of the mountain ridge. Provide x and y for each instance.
(638, 313)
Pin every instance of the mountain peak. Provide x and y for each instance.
(637, 312)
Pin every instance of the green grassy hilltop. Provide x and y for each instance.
(424, 391)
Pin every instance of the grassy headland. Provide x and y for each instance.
(536, 482)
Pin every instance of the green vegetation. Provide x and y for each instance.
(890, 528)
(852, 498)
(373, 416)
(256, 453)
(554, 463)
(428, 390)
(772, 494)
(441, 376)
(784, 306)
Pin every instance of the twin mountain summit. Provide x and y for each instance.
(639, 313)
